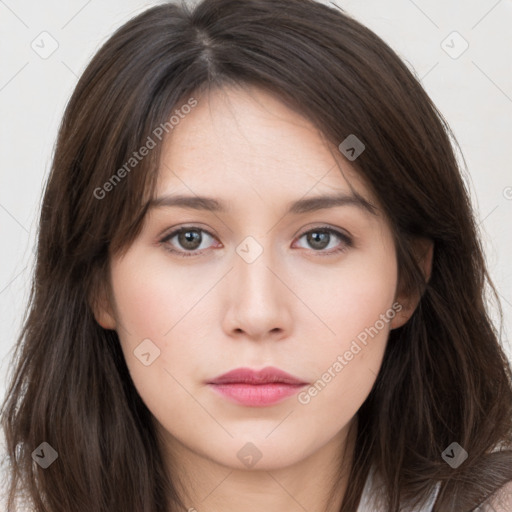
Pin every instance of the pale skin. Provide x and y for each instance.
(297, 306)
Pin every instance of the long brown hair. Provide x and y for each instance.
(444, 377)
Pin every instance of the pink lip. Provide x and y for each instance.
(256, 388)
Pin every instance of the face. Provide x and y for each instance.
(254, 284)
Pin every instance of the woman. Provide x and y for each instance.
(258, 283)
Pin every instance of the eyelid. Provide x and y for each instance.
(344, 236)
(174, 232)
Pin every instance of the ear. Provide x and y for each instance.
(101, 304)
(423, 249)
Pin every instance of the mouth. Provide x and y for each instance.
(253, 388)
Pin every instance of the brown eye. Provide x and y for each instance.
(187, 239)
(319, 239)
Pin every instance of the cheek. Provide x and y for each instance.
(358, 304)
(150, 299)
(156, 314)
(349, 300)
(347, 356)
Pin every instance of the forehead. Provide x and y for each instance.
(237, 140)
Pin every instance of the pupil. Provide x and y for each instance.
(317, 237)
(189, 237)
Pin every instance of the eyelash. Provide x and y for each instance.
(324, 229)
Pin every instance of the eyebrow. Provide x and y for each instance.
(300, 206)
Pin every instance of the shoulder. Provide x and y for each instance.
(501, 500)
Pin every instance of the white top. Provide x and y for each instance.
(370, 497)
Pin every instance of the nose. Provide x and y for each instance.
(258, 303)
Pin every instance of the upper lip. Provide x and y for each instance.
(266, 375)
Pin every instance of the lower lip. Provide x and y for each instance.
(257, 395)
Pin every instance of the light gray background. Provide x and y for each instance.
(473, 91)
